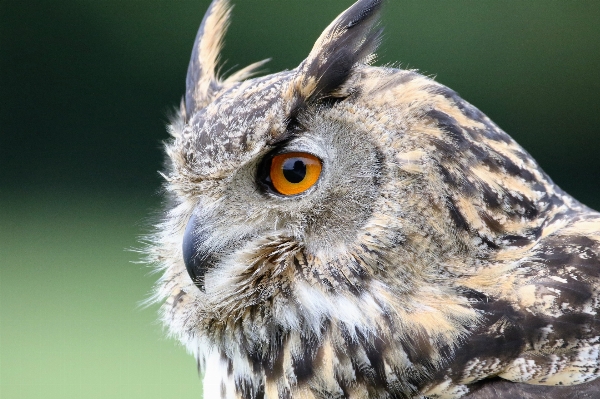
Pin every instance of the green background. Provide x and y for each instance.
(85, 90)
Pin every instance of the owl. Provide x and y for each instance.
(341, 230)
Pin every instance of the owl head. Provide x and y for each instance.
(342, 228)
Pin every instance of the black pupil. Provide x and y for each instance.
(294, 170)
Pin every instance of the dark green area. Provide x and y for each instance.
(86, 87)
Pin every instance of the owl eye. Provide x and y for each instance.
(294, 172)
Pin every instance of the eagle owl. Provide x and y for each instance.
(348, 231)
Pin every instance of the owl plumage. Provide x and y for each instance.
(432, 257)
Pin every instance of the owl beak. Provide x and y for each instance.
(198, 258)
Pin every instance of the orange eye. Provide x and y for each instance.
(294, 172)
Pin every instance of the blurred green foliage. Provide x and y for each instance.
(86, 87)
(71, 325)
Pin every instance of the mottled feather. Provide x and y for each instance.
(432, 258)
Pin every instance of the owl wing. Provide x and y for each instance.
(543, 341)
(501, 389)
(539, 293)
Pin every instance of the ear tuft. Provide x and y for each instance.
(202, 80)
(349, 40)
(246, 72)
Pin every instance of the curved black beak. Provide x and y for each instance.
(196, 256)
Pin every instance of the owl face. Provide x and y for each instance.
(309, 190)
(341, 229)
